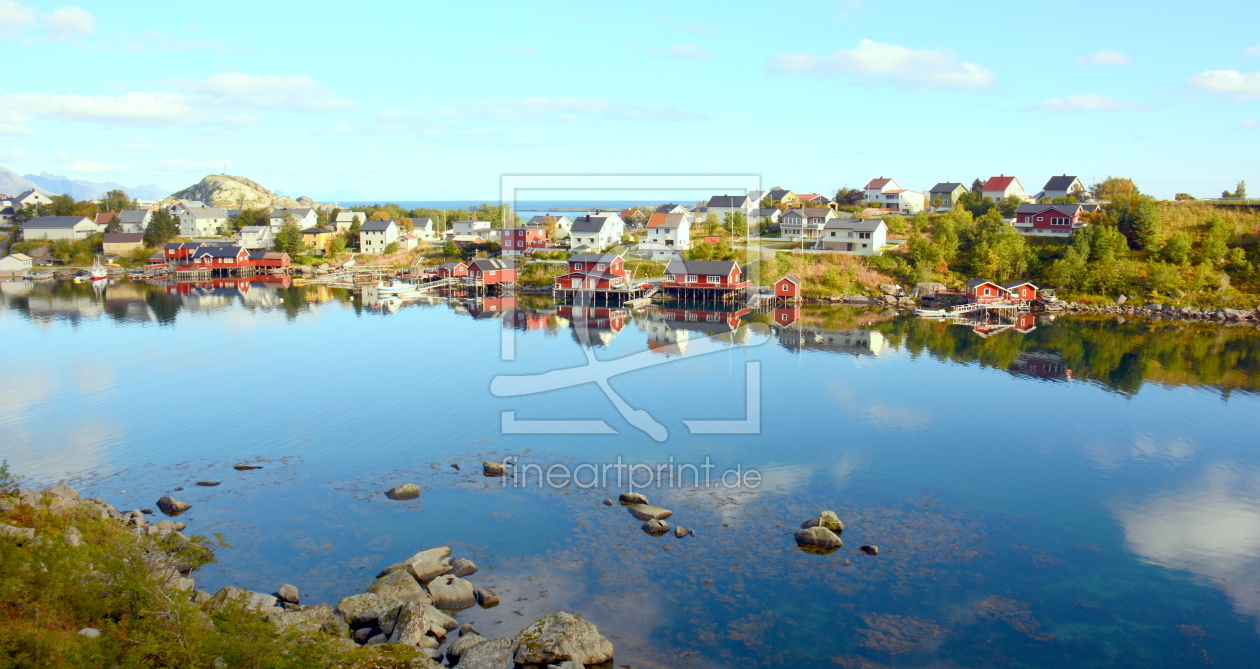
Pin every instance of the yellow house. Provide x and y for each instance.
(318, 239)
(783, 197)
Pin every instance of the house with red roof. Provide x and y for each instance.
(885, 193)
(1002, 186)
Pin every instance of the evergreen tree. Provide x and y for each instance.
(114, 225)
(162, 229)
(1134, 214)
(289, 239)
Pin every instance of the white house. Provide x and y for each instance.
(805, 223)
(479, 228)
(667, 236)
(721, 205)
(344, 219)
(764, 217)
(408, 241)
(15, 265)
(563, 225)
(376, 236)
(256, 237)
(424, 228)
(31, 197)
(175, 208)
(886, 193)
(59, 227)
(1000, 187)
(1063, 186)
(306, 217)
(596, 232)
(859, 236)
(135, 220)
(7, 210)
(202, 221)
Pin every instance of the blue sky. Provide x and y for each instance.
(426, 101)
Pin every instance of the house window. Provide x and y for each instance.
(601, 267)
(986, 292)
(864, 235)
(577, 265)
(691, 278)
(1040, 219)
(715, 279)
(786, 287)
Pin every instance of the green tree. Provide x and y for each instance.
(977, 187)
(352, 236)
(1134, 214)
(1176, 249)
(736, 223)
(1112, 188)
(391, 248)
(1008, 205)
(450, 249)
(1239, 191)
(62, 205)
(896, 224)
(1068, 272)
(289, 238)
(1215, 244)
(766, 202)
(162, 229)
(116, 200)
(711, 224)
(923, 253)
(114, 225)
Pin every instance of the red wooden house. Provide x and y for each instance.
(448, 270)
(269, 259)
(785, 316)
(704, 275)
(221, 257)
(492, 271)
(593, 271)
(180, 251)
(521, 241)
(709, 322)
(789, 287)
(1051, 219)
(1021, 291)
(980, 291)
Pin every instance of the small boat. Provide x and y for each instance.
(42, 276)
(98, 271)
(931, 313)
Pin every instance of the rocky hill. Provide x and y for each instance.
(225, 190)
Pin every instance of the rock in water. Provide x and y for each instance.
(648, 512)
(486, 598)
(493, 469)
(400, 586)
(492, 654)
(411, 626)
(288, 593)
(655, 527)
(818, 539)
(245, 468)
(171, 506)
(461, 646)
(452, 593)
(403, 492)
(61, 495)
(632, 498)
(869, 549)
(462, 567)
(831, 521)
(559, 637)
(424, 565)
(364, 608)
(207, 484)
(848, 563)
(608, 502)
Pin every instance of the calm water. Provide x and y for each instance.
(1082, 493)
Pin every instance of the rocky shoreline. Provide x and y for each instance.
(406, 618)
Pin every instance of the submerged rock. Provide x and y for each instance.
(452, 593)
(403, 492)
(681, 531)
(831, 521)
(819, 538)
(608, 502)
(559, 637)
(245, 468)
(869, 549)
(632, 498)
(648, 512)
(493, 469)
(171, 506)
(655, 527)
(486, 598)
(208, 484)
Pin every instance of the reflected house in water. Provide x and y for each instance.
(669, 328)
(857, 342)
(596, 326)
(1041, 365)
(492, 307)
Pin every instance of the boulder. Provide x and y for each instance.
(364, 608)
(400, 586)
(245, 468)
(467, 628)
(560, 637)
(890, 289)
(442, 623)
(486, 598)
(492, 654)
(208, 484)
(655, 528)
(73, 536)
(608, 502)
(378, 639)
(818, 537)
(648, 512)
(452, 593)
(869, 549)
(403, 492)
(927, 288)
(461, 646)
(427, 571)
(493, 469)
(680, 531)
(60, 495)
(632, 498)
(288, 593)
(171, 525)
(411, 626)
(310, 620)
(462, 567)
(22, 534)
(1121, 300)
(362, 634)
(432, 556)
(171, 506)
(90, 632)
(831, 521)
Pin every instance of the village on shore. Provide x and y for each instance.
(885, 242)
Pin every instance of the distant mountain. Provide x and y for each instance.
(81, 189)
(225, 190)
(12, 184)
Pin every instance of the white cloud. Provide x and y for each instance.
(1087, 102)
(94, 167)
(14, 17)
(11, 129)
(1238, 85)
(566, 110)
(521, 49)
(1250, 123)
(683, 51)
(1252, 51)
(1108, 57)
(128, 109)
(138, 143)
(69, 23)
(264, 91)
(13, 155)
(892, 63)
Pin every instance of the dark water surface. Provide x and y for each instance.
(1084, 493)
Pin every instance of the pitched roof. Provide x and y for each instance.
(877, 184)
(450, 264)
(810, 212)
(133, 216)
(980, 282)
(766, 211)
(1016, 284)
(317, 231)
(103, 217)
(590, 223)
(594, 257)
(20, 256)
(255, 229)
(302, 212)
(671, 208)
(422, 222)
(1063, 182)
(56, 221)
(729, 201)
(491, 264)
(704, 267)
(1069, 209)
(220, 251)
(376, 226)
(945, 187)
(857, 224)
(998, 183)
(667, 221)
(123, 238)
(779, 193)
(790, 277)
(207, 212)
